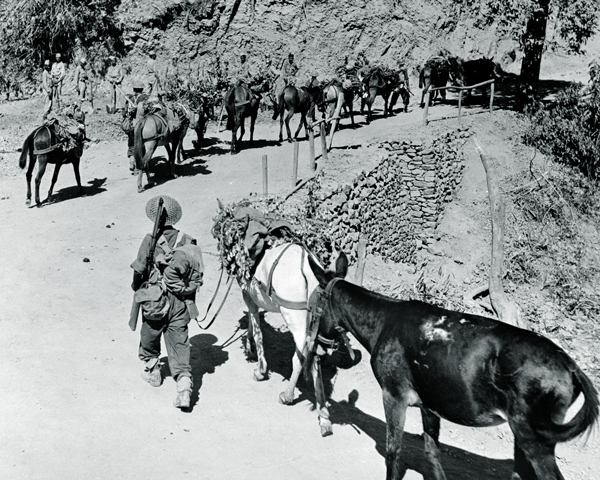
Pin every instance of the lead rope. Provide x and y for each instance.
(230, 282)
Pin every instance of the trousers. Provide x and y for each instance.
(175, 330)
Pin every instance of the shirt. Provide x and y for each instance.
(58, 72)
(115, 74)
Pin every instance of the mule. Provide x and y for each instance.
(198, 119)
(471, 72)
(240, 102)
(435, 73)
(465, 368)
(43, 146)
(376, 83)
(295, 100)
(283, 282)
(151, 132)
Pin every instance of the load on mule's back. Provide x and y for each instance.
(58, 141)
(434, 73)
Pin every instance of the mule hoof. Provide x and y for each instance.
(28, 202)
(259, 377)
(284, 400)
(326, 428)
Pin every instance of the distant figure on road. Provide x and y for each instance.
(58, 73)
(47, 87)
(115, 77)
(82, 80)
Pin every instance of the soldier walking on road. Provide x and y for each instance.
(58, 73)
(47, 88)
(179, 263)
(115, 77)
(82, 80)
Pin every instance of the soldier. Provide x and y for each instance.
(115, 77)
(242, 76)
(289, 70)
(58, 73)
(82, 80)
(181, 273)
(131, 114)
(152, 83)
(47, 87)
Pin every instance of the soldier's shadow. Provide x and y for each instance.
(205, 356)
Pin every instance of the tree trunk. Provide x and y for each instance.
(533, 47)
(502, 304)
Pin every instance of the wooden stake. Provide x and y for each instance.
(491, 97)
(459, 103)
(295, 164)
(323, 143)
(265, 170)
(311, 142)
(426, 109)
(362, 254)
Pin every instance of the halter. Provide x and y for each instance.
(326, 296)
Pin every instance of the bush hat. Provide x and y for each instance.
(171, 206)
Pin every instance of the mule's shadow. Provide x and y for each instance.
(161, 172)
(93, 187)
(457, 463)
(205, 356)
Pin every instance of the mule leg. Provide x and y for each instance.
(534, 460)
(302, 122)
(242, 129)
(28, 175)
(431, 435)
(288, 117)
(233, 150)
(42, 162)
(395, 416)
(76, 162)
(260, 372)
(296, 320)
(386, 112)
(324, 422)
(140, 186)
(252, 123)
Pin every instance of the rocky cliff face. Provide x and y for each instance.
(321, 33)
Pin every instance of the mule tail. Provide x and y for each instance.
(585, 418)
(27, 147)
(138, 144)
(280, 107)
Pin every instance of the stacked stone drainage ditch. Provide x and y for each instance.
(399, 203)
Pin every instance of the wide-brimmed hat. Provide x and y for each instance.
(138, 85)
(171, 206)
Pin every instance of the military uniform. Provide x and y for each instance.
(82, 80)
(182, 277)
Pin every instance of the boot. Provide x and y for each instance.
(152, 373)
(184, 392)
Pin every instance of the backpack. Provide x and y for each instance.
(152, 294)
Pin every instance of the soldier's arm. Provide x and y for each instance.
(175, 275)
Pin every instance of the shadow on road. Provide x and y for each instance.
(205, 357)
(94, 187)
(458, 464)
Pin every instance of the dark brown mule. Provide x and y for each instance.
(376, 83)
(471, 72)
(467, 369)
(240, 102)
(151, 132)
(434, 73)
(302, 100)
(43, 146)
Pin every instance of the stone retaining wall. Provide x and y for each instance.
(398, 204)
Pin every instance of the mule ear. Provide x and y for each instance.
(341, 265)
(318, 271)
(221, 206)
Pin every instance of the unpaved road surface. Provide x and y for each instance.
(73, 405)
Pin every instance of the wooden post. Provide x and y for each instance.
(334, 124)
(491, 97)
(426, 109)
(459, 103)
(323, 142)
(311, 142)
(504, 307)
(265, 171)
(362, 254)
(295, 164)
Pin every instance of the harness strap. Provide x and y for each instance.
(51, 148)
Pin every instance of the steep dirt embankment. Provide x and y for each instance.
(321, 34)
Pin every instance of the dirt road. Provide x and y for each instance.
(72, 401)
